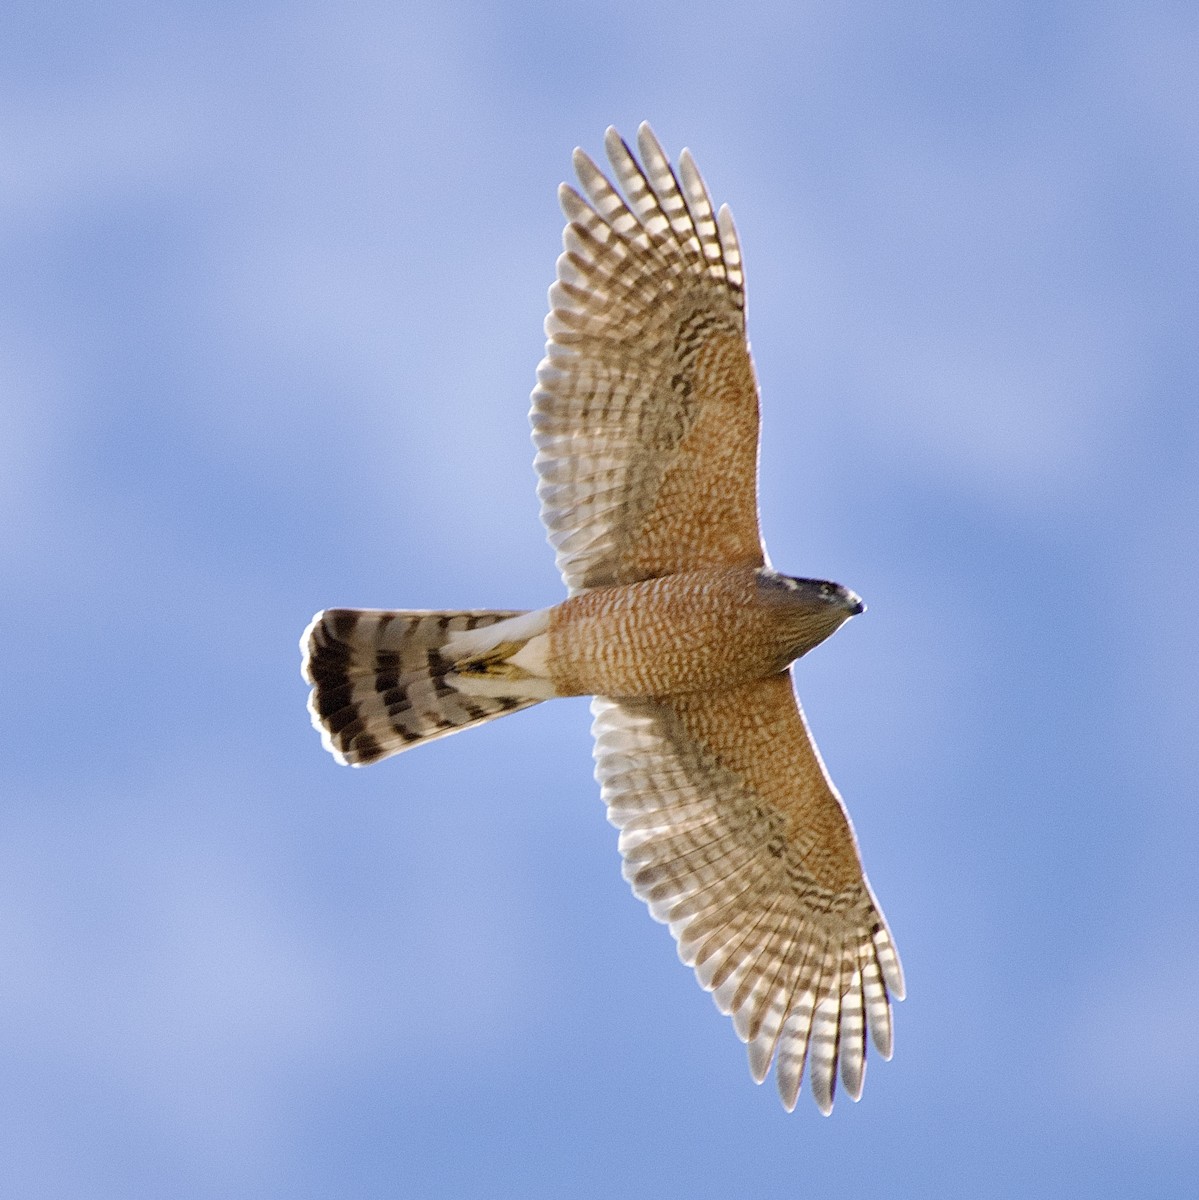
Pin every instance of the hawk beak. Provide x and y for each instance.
(854, 603)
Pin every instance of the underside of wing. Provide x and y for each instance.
(645, 414)
(733, 835)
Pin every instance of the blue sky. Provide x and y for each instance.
(272, 279)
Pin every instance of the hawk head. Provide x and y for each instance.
(806, 611)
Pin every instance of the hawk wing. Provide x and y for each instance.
(733, 834)
(645, 414)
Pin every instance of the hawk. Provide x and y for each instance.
(645, 422)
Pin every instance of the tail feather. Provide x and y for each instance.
(384, 681)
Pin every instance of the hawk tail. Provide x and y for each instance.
(384, 681)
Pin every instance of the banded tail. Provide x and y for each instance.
(384, 681)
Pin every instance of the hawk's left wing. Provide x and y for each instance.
(733, 834)
(645, 414)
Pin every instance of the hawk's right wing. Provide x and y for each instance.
(645, 416)
(733, 834)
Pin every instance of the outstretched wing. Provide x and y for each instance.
(645, 414)
(733, 834)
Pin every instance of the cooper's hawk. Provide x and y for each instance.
(645, 419)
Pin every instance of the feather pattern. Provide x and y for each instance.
(645, 414)
(384, 681)
(782, 928)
